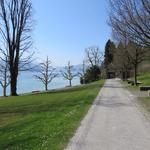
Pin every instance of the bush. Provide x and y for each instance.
(92, 74)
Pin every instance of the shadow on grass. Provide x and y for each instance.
(46, 105)
(43, 107)
(76, 89)
(38, 112)
(21, 125)
(17, 128)
(16, 142)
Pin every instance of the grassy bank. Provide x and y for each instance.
(144, 101)
(144, 78)
(44, 121)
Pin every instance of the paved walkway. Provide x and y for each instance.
(112, 123)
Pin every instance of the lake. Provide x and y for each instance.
(27, 83)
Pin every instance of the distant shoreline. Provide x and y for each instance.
(49, 91)
(27, 84)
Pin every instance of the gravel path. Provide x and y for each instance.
(114, 122)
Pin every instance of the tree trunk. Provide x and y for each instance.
(5, 82)
(13, 84)
(4, 91)
(83, 80)
(70, 84)
(126, 72)
(46, 87)
(135, 74)
(123, 75)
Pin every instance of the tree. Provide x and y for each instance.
(109, 51)
(128, 56)
(109, 54)
(92, 74)
(136, 54)
(131, 18)
(68, 73)
(46, 73)
(130, 22)
(121, 61)
(94, 56)
(16, 25)
(82, 73)
(4, 75)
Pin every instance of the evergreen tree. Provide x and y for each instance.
(92, 74)
(109, 54)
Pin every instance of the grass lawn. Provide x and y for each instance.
(144, 78)
(44, 121)
(143, 101)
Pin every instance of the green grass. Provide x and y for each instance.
(44, 121)
(143, 101)
(144, 78)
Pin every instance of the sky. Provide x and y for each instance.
(64, 28)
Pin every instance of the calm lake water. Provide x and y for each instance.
(27, 83)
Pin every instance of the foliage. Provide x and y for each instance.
(145, 79)
(92, 74)
(81, 73)
(109, 52)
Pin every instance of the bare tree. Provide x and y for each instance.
(130, 21)
(128, 56)
(68, 73)
(94, 56)
(82, 72)
(46, 73)
(121, 61)
(15, 28)
(131, 18)
(136, 54)
(4, 75)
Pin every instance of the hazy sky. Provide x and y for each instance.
(64, 28)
